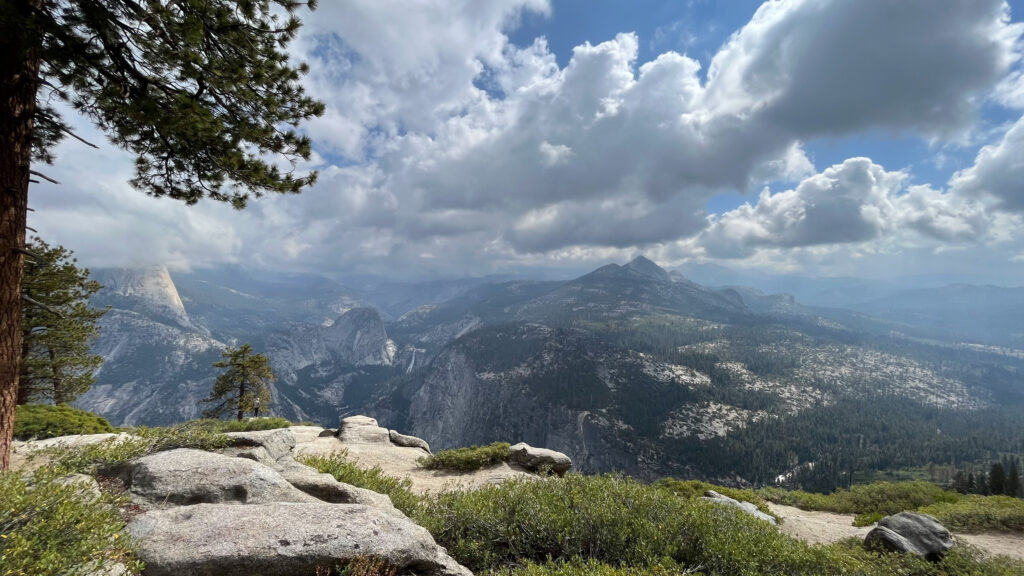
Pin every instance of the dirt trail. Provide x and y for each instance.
(825, 527)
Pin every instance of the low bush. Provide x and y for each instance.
(580, 567)
(247, 425)
(467, 459)
(344, 470)
(870, 500)
(615, 526)
(973, 513)
(691, 489)
(48, 528)
(45, 421)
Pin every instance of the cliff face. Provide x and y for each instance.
(464, 398)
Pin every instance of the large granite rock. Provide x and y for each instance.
(324, 487)
(911, 533)
(186, 476)
(277, 443)
(716, 498)
(539, 459)
(362, 430)
(282, 539)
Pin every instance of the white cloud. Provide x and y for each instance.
(450, 142)
(997, 173)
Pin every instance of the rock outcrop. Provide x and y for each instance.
(282, 539)
(539, 459)
(399, 439)
(911, 533)
(716, 498)
(253, 509)
(185, 476)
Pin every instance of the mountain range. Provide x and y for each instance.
(629, 367)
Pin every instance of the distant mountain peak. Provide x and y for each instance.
(645, 267)
(152, 287)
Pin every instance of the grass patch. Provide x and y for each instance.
(248, 425)
(344, 470)
(692, 489)
(467, 459)
(41, 421)
(883, 498)
(87, 459)
(973, 513)
(52, 529)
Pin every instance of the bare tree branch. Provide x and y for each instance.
(43, 176)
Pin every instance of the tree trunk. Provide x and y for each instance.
(57, 379)
(241, 396)
(24, 384)
(19, 69)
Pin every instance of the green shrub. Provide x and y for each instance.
(45, 421)
(247, 425)
(467, 459)
(51, 529)
(691, 489)
(611, 519)
(86, 459)
(615, 526)
(344, 470)
(883, 498)
(973, 513)
(580, 567)
(868, 518)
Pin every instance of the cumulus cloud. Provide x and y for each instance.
(446, 147)
(998, 172)
(857, 202)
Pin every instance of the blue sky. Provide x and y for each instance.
(869, 138)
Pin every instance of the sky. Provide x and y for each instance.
(813, 137)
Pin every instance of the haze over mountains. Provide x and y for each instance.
(628, 367)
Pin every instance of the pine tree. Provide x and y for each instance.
(997, 479)
(982, 484)
(247, 378)
(202, 93)
(1013, 479)
(960, 482)
(58, 327)
(972, 484)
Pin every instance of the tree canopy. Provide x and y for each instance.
(58, 327)
(203, 93)
(236, 389)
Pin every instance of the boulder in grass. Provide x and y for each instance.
(539, 459)
(911, 533)
(282, 539)
(749, 508)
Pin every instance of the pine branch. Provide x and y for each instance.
(65, 130)
(41, 305)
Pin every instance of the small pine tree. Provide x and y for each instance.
(982, 484)
(972, 484)
(58, 327)
(960, 482)
(247, 378)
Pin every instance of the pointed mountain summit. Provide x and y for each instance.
(644, 267)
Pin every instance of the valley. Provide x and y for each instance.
(630, 368)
